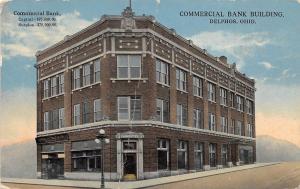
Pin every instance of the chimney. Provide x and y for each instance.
(223, 59)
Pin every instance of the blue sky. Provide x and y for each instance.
(267, 51)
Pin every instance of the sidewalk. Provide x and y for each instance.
(134, 184)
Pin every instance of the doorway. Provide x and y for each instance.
(129, 160)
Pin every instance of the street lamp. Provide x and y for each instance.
(101, 138)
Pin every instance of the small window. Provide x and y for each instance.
(181, 114)
(162, 72)
(76, 114)
(53, 86)
(197, 86)
(46, 88)
(97, 110)
(182, 159)
(212, 155)
(129, 108)
(76, 78)
(223, 97)
(211, 92)
(224, 124)
(181, 83)
(46, 121)
(61, 114)
(163, 154)
(162, 110)
(97, 69)
(61, 81)
(197, 118)
(212, 122)
(86, 74)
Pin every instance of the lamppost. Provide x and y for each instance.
(101, 138)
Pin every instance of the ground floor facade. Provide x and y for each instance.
(137, 152)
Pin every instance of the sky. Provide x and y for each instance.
(267, 51)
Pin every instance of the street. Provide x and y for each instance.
(279, 176)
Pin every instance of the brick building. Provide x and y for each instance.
(167, 106)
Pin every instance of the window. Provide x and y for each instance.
(85, 113)
(88, 161)
(212, 155)
(211, 88)
(162, 72)
(163, 154)
(232, 126)
(224, 154)
(197, 86)
(250, 130)
(197, 118)
(162, 110)
(97, 110)
(97, 70)
(238, 128)
(198, 148)
(129, 108)
(240, 103)
(232, 99)
(46, 121)
(181, 80)
(249, 105)
(54, 120)
(76, 114)
(86, 74)
(76, 78)
(211, 122)
(61, 118)
(61, 83)
(182, 154)
(46, 88)
(223, 96)
(53, 86)
(181, 115)
(224, 124)
(129, 66)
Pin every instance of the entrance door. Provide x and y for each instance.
(55, 168)
(129, 160)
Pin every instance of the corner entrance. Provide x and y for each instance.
(52, 167)
(130, 156)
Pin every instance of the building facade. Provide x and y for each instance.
(167, 106)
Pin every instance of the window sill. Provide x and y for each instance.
(163, 84)
(129, 79)
(182, 91)
(198, 96)
(212, 101)
(56, 96)
(91, 86)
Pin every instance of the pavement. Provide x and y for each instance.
(157, 182)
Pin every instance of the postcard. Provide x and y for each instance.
(150, 94)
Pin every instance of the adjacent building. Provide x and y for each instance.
(167, 106)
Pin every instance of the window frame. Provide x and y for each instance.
(61, 117)
(166, 149)
(46, 121)
(76, 78)
(212, 121)
(86, 75)
(76, 114)
(160, 74)
(129, 66)
(97, 71)
(181, 80)
(98, 110)
(223, 96)
(54, 86)
(182, 146)
(197, 86)
(211, 92)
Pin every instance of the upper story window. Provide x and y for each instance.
(232, 104)
(233, 126)
(85, 112)
(129, 108)
(97, 70)
(162, 110)
(211, 88)
(223, 96)
(61, 118)
(238, 128)
(197, 118)
(61, 83)
(240, 103)
(181, 80)
(97, 110)
(197, 86)
(46, 88)
(76, 114)
(181, 115)
(250, 130)
(76, 78)
(162, 72)
(211, 122)
(53, 86)
(224, 124)
(129, 66)
(249, 105)
(46, 121)
(86, 74)
(163, 154)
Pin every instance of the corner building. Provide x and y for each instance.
(167, 106)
